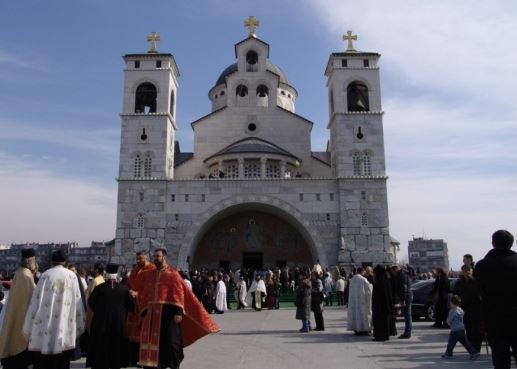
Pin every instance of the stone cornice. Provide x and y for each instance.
(154, 179)
(157, 114)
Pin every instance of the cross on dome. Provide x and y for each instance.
(153, 38)
(251, 24)
(349, 37)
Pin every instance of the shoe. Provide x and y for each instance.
(474, 356)
(319, 329)
(405, 336)
(303, 330)
(447, 356)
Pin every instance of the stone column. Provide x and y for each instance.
(282, 168)
(263, 167)
(241, 167)
(220, 168)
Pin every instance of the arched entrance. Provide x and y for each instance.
(252, 235)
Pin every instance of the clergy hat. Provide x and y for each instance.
(58, 256)
(28, 253)
(112, 268)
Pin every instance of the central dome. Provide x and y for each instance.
(269, 66)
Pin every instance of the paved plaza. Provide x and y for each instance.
(270, 339)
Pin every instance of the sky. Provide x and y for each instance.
(449, 93)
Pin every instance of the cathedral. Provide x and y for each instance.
(253, 193)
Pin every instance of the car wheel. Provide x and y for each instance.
(429, 313)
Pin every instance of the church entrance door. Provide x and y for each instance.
(253, 260)
(251, 239)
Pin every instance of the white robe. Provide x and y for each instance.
(260, 287)
(220, 296)
(240, 292)
(56, 315)
(359, 305)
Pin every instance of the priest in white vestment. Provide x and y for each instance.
(55, 317)
(359, 318)
(257, 293)
(220, 296)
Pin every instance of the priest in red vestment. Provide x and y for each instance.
(172, 315)
(135, 286)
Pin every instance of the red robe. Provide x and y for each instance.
(162, 287)
(134, 283)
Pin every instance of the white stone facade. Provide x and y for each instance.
(252, 152)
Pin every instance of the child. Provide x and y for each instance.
(455, 321)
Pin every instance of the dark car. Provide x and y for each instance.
(422, 305)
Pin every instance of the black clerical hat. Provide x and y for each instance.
(58, 256)
(112, 268)
(28, 253)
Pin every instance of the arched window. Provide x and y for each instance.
(137, 170)
(140, 221)
(241, 91)
(356, 158)
(262, 96)
(251, 61)
(367, 164)
(148, 162)
(171, 110)
(357, 97)
(145, 98)
(262, 91)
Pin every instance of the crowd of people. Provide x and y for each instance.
(147, 315)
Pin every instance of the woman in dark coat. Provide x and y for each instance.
(440, 293)
(303, 302)
(382, 305)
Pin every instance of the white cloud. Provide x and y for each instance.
(454, 48)
(450, 113)
(463, 210)
(103, 140)
(15, 60)
(38, 206)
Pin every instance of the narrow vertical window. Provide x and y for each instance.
(137, 170)
(186, 198)
(367, 165)
(203, 198)
(137, 64)
(344, 63)
(158, 64)
(328, 216)
(176, 217)
(173, 198)
(141, 196)
(318, 197)
(357, 164)
(363, 195)
(331, 197)
(366, 63)
(301, 197)
(148, 162)
(364, 220)
(140, 221)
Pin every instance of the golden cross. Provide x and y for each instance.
(251, 23)
(153, 38)
(349, 37)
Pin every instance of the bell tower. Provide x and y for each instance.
(149, 115)
(357, 154)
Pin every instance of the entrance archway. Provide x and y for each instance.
(251, 239)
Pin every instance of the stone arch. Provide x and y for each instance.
(146, 95)
(238, 203)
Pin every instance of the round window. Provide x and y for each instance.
(252, 127)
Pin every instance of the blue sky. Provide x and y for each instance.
(449, 77)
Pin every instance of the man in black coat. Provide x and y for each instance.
(496, 277)
(466, 288)
(109, 342)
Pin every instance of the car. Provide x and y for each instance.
(422, 305)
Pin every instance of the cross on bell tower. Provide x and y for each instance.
(153, 38)
(349, 37)
(251, 24)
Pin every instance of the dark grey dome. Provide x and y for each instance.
(270, 67)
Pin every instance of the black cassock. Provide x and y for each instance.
(382, 306)
(109, 343)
